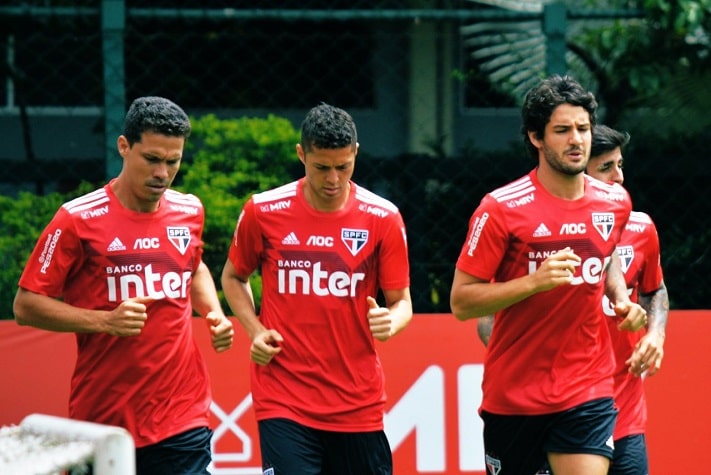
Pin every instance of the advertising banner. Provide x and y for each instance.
(433, 381)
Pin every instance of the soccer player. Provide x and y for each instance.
(121, 267)
(540, 254)
(325, 247)
(639, 353)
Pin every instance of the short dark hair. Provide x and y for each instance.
(606, 139)
(155, 114)
(328, 127)
(542, 99)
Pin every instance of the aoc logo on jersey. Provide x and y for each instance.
(179, 236)
(626, 254)
(354, 239)
(604, 223)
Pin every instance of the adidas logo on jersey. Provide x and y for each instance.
(116, 245)
(541, 231)
(291, 239)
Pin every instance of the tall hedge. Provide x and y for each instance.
(226, 161)
(22, 219)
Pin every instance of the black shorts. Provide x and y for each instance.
(289, 448)
(519, 444)
(182, 454)
(630, 456)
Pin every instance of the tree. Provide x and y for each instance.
(649, 56)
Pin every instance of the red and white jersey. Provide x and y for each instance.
(551, 351)
(94, 254)
(640, 257)
(317, 269)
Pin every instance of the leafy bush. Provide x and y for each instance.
(22, 219)
(231, 160)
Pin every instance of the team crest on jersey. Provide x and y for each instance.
(354, 239)
(179, 236)
(626, 254)
(493, 465)
(604, 223)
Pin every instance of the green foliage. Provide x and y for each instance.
(652, 62)
(22, 219)
(231, 160)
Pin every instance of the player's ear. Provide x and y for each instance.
(300, 153)
(122, 145)
(533, 137)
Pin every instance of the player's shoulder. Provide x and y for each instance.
(92, 203)
(640, 223)
(175, 197)
(519, 191)
(610, 192)
(281, 193)
(366, 197)
(640, 217)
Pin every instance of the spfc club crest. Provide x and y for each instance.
(179, 236)
(626, 254)
(604, 223)
(354, 239)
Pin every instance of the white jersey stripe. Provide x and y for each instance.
(182, 198)
(514, 190)
(369, 197)
(88, 201)
(640, 217)
(285, 191)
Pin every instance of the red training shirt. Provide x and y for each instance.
(551, 351)
(317, 270)
(95, 253)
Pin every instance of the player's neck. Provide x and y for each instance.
(561, 185)
(325, 203)
(129, 200)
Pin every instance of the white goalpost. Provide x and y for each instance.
(49, 445)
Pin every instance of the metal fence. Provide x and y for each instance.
(435, 132)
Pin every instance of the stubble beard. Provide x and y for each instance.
(556, 163)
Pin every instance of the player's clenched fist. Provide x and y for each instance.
(128, 318)
(633, 315)
(265, 346)
(379, 320)
(558, 269)
(221, 331)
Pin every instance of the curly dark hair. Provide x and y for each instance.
(542, 99)
(155, 114)
(328, 127)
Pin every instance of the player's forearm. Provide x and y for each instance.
(241, 301)
(401, 313)
(657, 306)
(479, 299)
(203, 292)
(47, 313)
(615, 285)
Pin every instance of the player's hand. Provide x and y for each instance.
(379, 320)
(647, 355)
(557, 269)
(633, 315)
(221, 331)
(128, 318)
(265, 346)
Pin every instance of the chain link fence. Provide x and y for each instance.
(435, 134)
